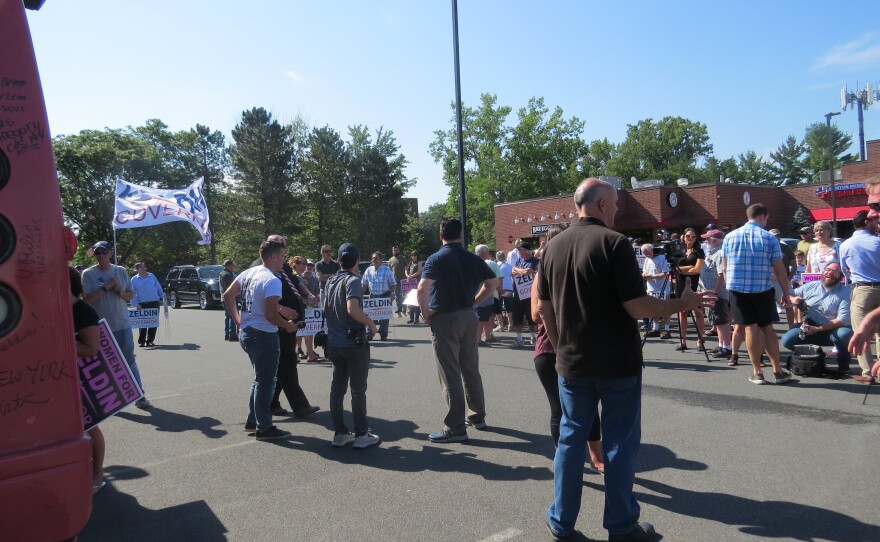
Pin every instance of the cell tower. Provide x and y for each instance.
(860, 100)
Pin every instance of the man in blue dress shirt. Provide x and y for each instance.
(859, 259)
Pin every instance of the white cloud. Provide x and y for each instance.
(859, 53)
(295, 77)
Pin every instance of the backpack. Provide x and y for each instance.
(807, 360)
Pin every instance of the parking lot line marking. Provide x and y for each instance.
(196, 454)
(165, 396)
(503, 535)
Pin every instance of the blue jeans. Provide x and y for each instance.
(621, 400)
(398, 294)
(264, 350)
(838, 337)
(229, 325)
(125, 340)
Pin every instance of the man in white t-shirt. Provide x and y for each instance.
(258, 323)
(654, 272)
(506, 290)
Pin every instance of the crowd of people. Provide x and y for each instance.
(581, 294)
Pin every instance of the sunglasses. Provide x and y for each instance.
(874, 206)
(326, 251)
(101, 252)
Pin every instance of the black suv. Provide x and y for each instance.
(194, 284)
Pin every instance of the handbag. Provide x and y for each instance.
(321, 336)
(807, 360)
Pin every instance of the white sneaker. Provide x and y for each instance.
(367, 439)
(342, 439)
(518, 343)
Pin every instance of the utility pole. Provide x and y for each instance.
(464, 230)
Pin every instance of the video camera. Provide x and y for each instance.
(358, 335)
(673, 250)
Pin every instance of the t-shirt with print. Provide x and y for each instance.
(109, 306)
(525, 263)
(257, 284)
(340, 288)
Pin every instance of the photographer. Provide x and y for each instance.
(825, 304)
(348, 349)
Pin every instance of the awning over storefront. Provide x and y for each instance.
(843, 213)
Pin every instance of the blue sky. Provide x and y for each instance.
(753, 72)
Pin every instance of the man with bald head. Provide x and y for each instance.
(590, 293)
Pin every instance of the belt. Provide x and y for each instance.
(866, 284)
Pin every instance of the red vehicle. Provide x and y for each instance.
(45, 458)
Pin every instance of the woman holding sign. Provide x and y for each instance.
(88, 341)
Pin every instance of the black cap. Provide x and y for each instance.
(228, 262)
(348, 249)
(524, 245)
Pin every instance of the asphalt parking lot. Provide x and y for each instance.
(721, 459)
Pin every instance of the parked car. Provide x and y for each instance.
(194, 284)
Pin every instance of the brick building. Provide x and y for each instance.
(641, 213)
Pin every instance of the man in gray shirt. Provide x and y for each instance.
(107, 288)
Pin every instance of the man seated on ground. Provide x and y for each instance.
(826, 320)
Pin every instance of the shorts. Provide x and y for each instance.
(522, 312)
(753, 308)
(484, 313)
(496, 306)
(718, 313)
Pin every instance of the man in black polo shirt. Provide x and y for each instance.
(590, 293)
(448, 293)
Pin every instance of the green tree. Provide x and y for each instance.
(715, 170)
(668, 149)
(816, 148)
(801, 219)
(599, 153)
(422, 232)
(323, 192)
(786, 164)
(262, 157)
(541, 155)
(751, 168)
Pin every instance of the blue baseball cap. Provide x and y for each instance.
(348, 249)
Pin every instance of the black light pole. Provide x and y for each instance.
(831, 174)
(464, 231)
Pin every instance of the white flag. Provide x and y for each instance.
(139, 206)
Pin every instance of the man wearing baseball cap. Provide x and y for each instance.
(807, 240)
(107, 288)
(719, 314)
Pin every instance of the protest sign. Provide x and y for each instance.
(313, 317)
(379, 308)
(412, 298)
(143, 318)
(813, 277)
(523, 285)
(106, 382)
(408, 284)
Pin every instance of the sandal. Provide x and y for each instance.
(316, 359)
(681, 348)
(733, 361)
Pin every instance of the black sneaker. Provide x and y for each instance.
(570, 537)
(722, 353)
(445, 436)
(250, 428)
(643, 531)
(306, 411)
(272, 433)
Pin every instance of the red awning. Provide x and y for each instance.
(843, 213)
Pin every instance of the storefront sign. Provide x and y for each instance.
(540, 228)
(841, 190)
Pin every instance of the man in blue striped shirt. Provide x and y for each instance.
(381, 281)
(751, 254)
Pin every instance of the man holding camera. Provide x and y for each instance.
(348, 349)
(825, 304)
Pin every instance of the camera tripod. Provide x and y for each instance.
(681, 331)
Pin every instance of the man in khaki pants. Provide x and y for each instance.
(860, 259)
